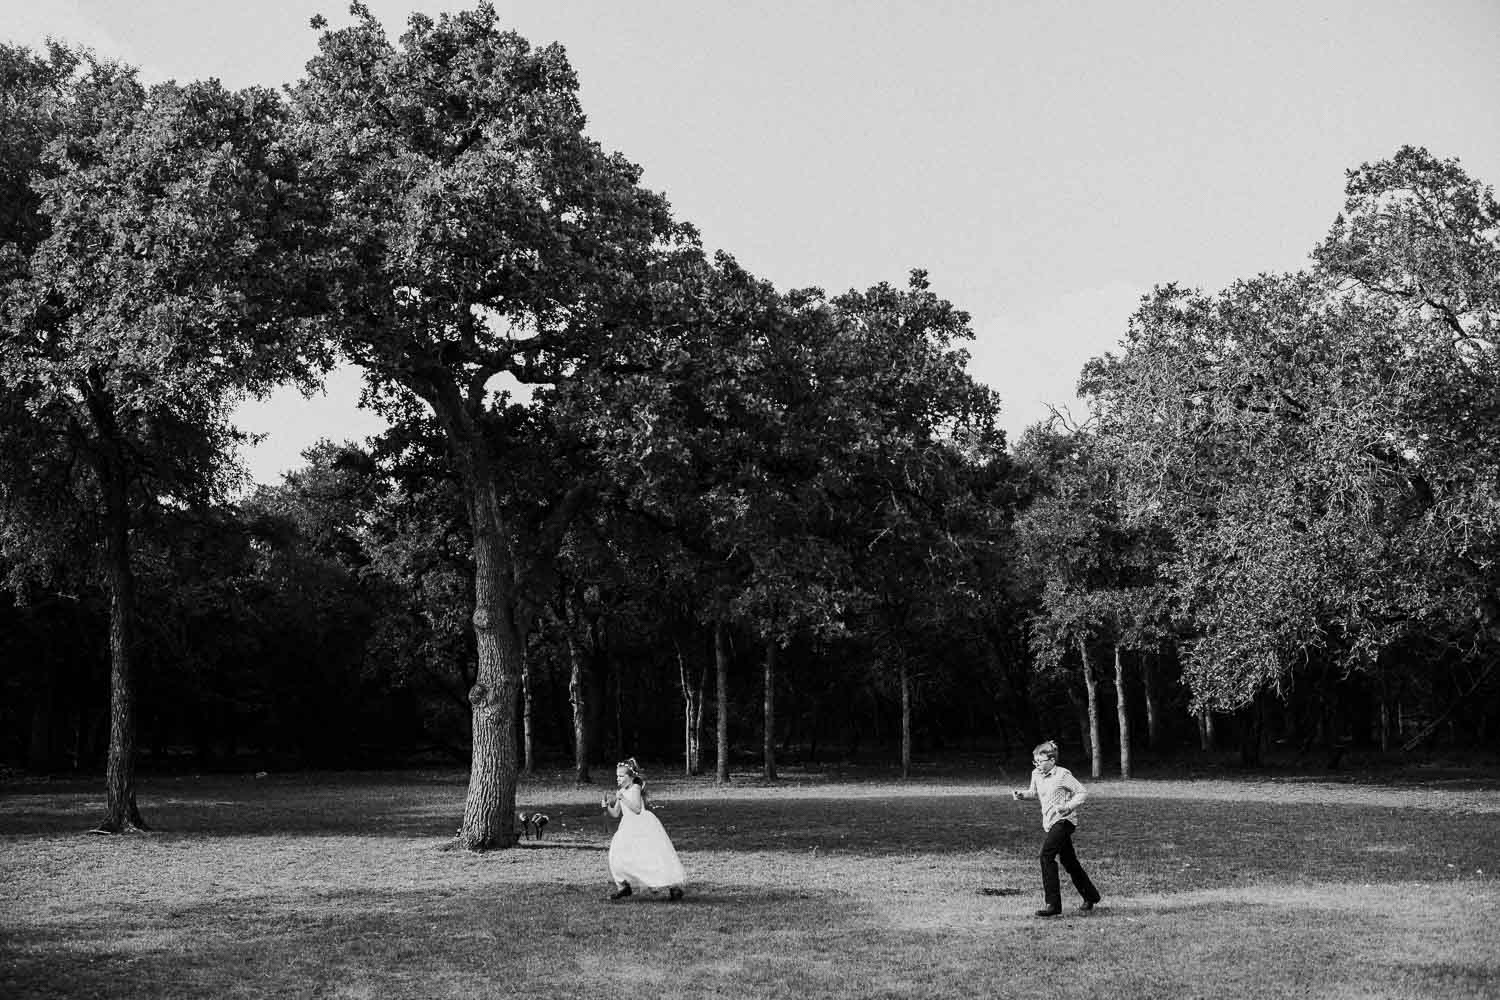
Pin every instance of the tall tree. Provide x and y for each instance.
(1067, 536)
(1421, 236)
(919, 438)
(485, 235)
(152, 278)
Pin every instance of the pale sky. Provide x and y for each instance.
(1046, 161)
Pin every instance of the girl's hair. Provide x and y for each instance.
(1047, 749)
(633, 769)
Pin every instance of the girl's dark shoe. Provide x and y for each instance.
(621, 892)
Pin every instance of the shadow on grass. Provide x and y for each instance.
(560, 845)
(540, 939)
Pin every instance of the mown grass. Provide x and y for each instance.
(333, 885)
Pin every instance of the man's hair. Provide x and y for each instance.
(1047, 749)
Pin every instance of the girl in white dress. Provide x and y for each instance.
(641, 853)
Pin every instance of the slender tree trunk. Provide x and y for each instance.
(1153, 716)
(1081, 717)
(1096, 750)
(619, 706)
(814, 727)
(1122, 713)
(609, 711)
(721, 666)
(700, 701)
(769, 721)
(905, 720)
(120, 811)
(528, 764)
(577, 699)
(1252, 733)
(692, 716)
(40, 742)
(1385, 709)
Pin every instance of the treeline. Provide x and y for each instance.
(634, 500)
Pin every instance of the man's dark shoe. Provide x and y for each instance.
(1050, 911)
(674, 894)
(621, 892)
(1088, 904)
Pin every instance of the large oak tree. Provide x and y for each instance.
(482, 234)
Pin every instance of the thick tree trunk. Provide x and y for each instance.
(490, 808)
(905, 720)
(721, 682)
(120, 811)
(500, 620)
(577, 701)
(1122, 713)
(769, 721)
(1096, 750)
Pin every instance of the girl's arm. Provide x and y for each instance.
(612, 808)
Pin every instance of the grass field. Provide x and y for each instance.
(851, 886)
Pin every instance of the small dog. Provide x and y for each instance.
(532, 826)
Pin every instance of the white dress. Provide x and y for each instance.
(641, 853)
